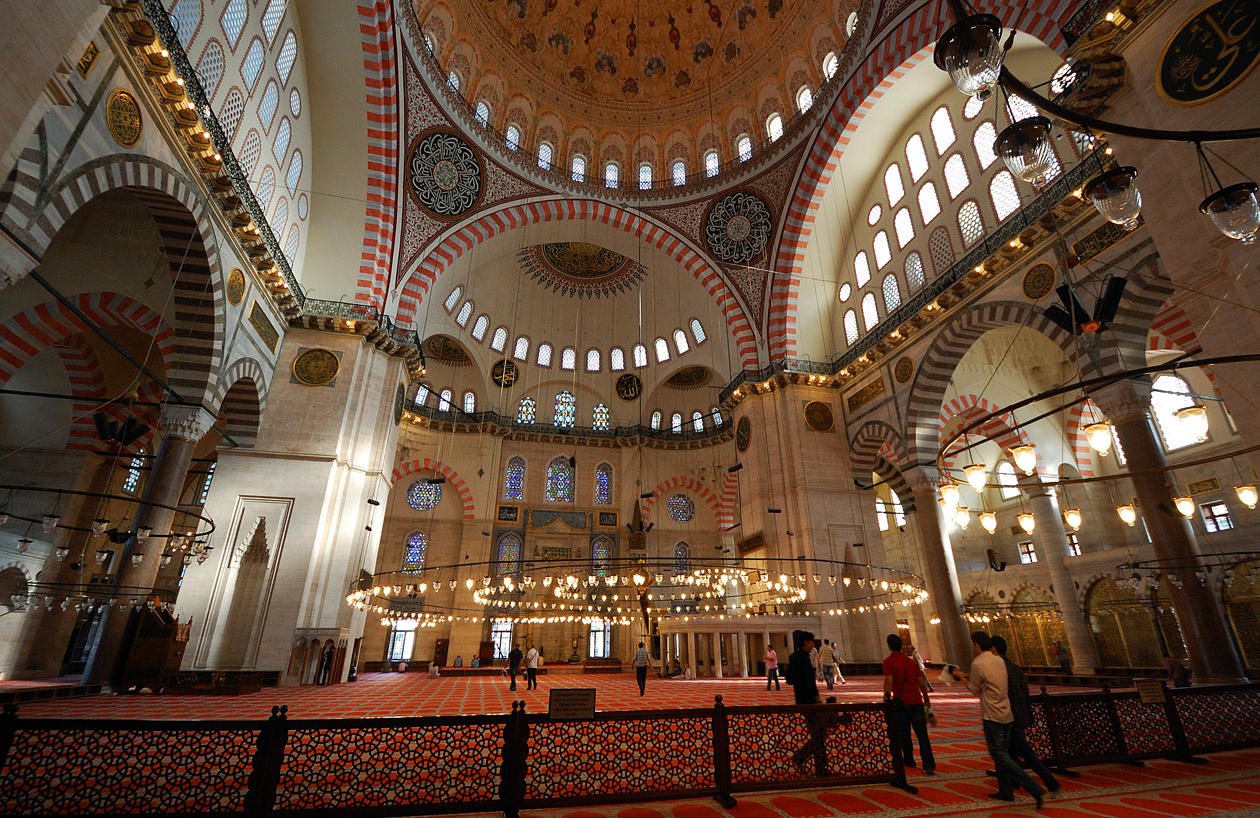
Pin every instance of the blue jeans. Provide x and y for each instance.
(998, 737)
(772, 675)
(829, 674)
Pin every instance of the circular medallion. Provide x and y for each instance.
(444, 174)
(904, 369)
(235, 286)
(743, 434)
(737, 228)
(579, 268)
(818, 416)
(629, 387)
(504, 373)
(446, 349)
(1210, 54)
(316, 367)
(122, 114)
(400, 397)
(1039, 281)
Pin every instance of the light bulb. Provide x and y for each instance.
(1027, 522)
(1194, 420)
(962, 516)
(1072, 517)
(99, 525)
(50, 522)
(1025, 457)
(101, 556)
(1128, 514)
(62, 551)
(1185, 505)
(949, 493)
(976, 476)
(136, 559)
(1099, 436)
(1247, 494)
(988, 519)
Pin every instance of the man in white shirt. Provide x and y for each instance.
(531, 669)
(988, 681)
(641, 660)
(827, 658)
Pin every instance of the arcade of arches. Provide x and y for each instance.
(365, 292)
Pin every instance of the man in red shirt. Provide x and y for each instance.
(906, 687)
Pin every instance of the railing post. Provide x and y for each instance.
(8, 729)
(722, 754)
(512, 769)
(264, 778)
(1113, 716)
(899, 768)
(1178, 730)
(1053, 733)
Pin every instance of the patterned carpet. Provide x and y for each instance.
(1229, 785)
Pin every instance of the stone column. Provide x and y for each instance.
(1212, 653)
(938, 559)
(1052, 537)
(180, 429)
(743, 652)
(717, 654)
(691, 654)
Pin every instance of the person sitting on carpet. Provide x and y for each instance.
(459, 661)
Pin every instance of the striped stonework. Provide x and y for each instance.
(729, 499)
(380, 70)
(87, 384)
(693, 486)
(1079, 416)
(510, 217)
(452, 478)
(1125, 340)
(878, 448)
(240, 397)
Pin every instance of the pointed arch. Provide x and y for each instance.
(241, 396)
(452, 477)
(683, 482)
(878, 448)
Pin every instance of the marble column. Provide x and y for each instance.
(180, 428)
(1052, 537)
(691, 654)
(1212, 653)
(743, 653)
(938, 557)
(717, 654)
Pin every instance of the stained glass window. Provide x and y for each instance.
(681, 509)
(682, 558)
(514, 480)
(566, 410)
(544, 355)
(616, 359)
(417, 548)
(675, 423)
(711, 163)
(509, 554)
(916, 158)
(603, 485)
(423, 495)
(526, 411)
(132, 483)
(697, 331)
(600, 418)
(601, 554)
(205, 485)
(743, 147)
(697, 421)
(560, 481)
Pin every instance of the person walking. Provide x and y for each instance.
(531, 668)
(835, 649)
(913, 652)
(772, 668)
(641, 659)
(905, 687)
(1060, 653)
(827, 658)
(813, 660)
(988, 681)
(802, 675)
(1021, 709)
(514, 664)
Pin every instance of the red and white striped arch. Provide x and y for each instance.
(1079, 416)
(513, 216)
(907, 43)
(689, 485)
(452, 478)
(87, 384)
(966, 409)
(380, 70)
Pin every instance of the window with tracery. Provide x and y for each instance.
(470, 402)
(680, 341)
(453, 298)
(870, 312)
(509, 563)
(499, 340)
(233, 20)
(601, 555)
(743, 148)
(892, 294)
(883, 253)
(560, 481)
(482, 113)
(423, 495)
(231, 111)
(656, 419)
(185, 17)
(681, 508)
(956, 178)
(544, 355)
(210, 68)
(697, 331)
(514, 477)
(941, 250)
(916, 158)
(577, 168)
(983, 141)
(942, 130)
(513, 137)
(415, 551)
(252, 65)
(892, 184)
(697, 421)
(444, 400)
(603, 484)
(679, 172)
(970, 224)
(711, 163)
(526, 411)
(480, 326)
(565, 415)
(904, 226)
(616, 359)
(544, 156)
(452, 80)
(286, 57)
(682, 558)
(973, 108)
(568, 358)
(676, 423)
(610, 174)
(601, 420)
(645, 176)
(716, 414)
(465, 312)
(914, 272)
(850, 327)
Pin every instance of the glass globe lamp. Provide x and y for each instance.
(977, 477)
(1247, 494)
(1185, 506)
(1128, 514)
(1235, 211)
(1027, 522)
(950, 494)
(988, 520)
(962, 517)
(1115, 193)
(1194, 420)
(1099, 436)
(1072, 516)
(1025, 457)
(970, 51)
(1026, 150)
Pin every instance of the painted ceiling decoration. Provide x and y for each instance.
(580, 269)
(445, 349)
(738, 227)
(689, 377)
(444, 174)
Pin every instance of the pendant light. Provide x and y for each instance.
(1025, 457)
(1025, 148)
(970, 51)
(1185, 506)
(1072, 516)
(962, 516)
(1027, 521)
(1115, 193)
(988, 520)
(950, 494)
(1099, 437)
(1194, 420)
(1235, 211)
(1128, 514)
(977, 476)
(1247, 494)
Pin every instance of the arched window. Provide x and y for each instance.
(230, 112)
(544, 156)
(973, 108)
(568, 358)
(774, 127)
(716, 414)
(870, 312)
(892, 294)
(210, 68)
(465, 312)
(904, 226)
(1008, 483)
(616, 359)
(640, 356)
(281, 145)
(682, 558)
(873, 215)
(251, 151)
(610, 174)
(743, 148)
(509, 561)
(697, 331)
(268, 104)
(914, 272)
(526, 410)
(675, 423)
(804, 99)
(266, 187)
(603, 484)
(942, 130)
(601, 420)
(601, 555)
(592, 360)
(679, 171)
(956, 175)
(271, 18)
(470, 402)
(577, 168)
(680, 341)
(929, 203)
(899, 513)
(520, 350)
(452, 80)
(499, 340)
(983, 141)
(294, 175)
(251, 66)
(560, 481)
(830, 64)
(861, 269)
(850, 327)
(697, 421)
(941, 250)
(480, 326)
(662, 350)
(850, 24)
(482, 113)
(513, 137)
(185, 17)
(645, 176)
(883, 253)
(422, 394)
(711, 163)
(291, 243)
(565, 414)
(1018, 108)
(444, 400)
(544, 355)
(916, 157)
(453, 298)
(892, 184)
(514, 478)
(1168, 394)
(423, 495)
(416, 549)
(656, 419)
(881, 513)
(970, 223)
(1003, 194)
(286, 57)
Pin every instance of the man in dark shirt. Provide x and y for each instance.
(804, 682)
(514, 664)
(1021, 709)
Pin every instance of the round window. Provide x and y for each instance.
(423, 495)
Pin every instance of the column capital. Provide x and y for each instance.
(1124, 400)
(186, 422)
(922, 479)
(1033, 486)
